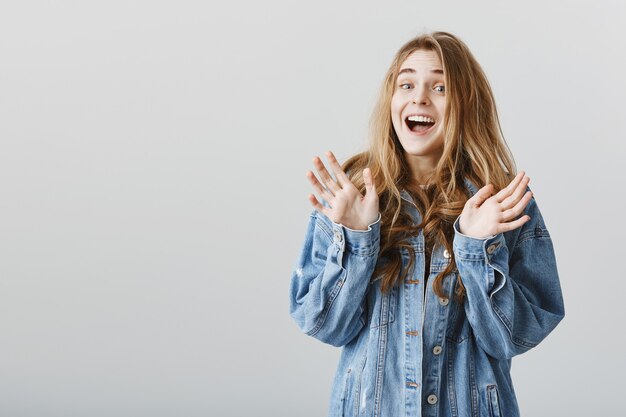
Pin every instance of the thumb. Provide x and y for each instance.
(370, 187)
(482, 195)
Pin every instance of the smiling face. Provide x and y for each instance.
(417, 111)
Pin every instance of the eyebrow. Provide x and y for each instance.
(412, 71)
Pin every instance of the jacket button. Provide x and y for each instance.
(337, 236)
(444, 301)
(446, 254)
(437, 350)
(432, 399)
(491, 248)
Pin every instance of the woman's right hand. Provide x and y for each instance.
(347, 206)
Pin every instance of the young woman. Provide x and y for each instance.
(428, 261)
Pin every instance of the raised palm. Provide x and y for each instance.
(487, 214)
(347, 205)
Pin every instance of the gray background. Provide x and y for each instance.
(153, 192)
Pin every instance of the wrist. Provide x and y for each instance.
(464, 233)
(360, 227)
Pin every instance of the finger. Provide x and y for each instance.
(320, 186)
(317, 205)
(506, 191)
(327, 180)
(518, 208)
(481, 195)
(505, 227)
(323, 192)
(370, 187)
(341, 176)
(517, 194)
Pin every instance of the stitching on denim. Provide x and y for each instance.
(344, 400)
(359, 383)
(523, 342)
(473, 388)
(324, 227)
(471, 257)
(322, 319)
(457, 325)
(536, 233)
(451, 386)
(457, 340)
(380, 367)
(492, 397)
(363, 317)
(516, 340)
(387, 304)
(362, 253)
(507, 323)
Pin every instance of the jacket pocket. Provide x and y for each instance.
(492, 401)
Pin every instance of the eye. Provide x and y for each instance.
(440, 89)
(402, 86)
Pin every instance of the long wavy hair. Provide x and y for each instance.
(474, 148)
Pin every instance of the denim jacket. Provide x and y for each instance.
(409, 354)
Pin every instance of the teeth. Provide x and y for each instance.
(421, 119)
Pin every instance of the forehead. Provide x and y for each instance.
(421, 62)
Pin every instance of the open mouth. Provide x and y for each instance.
(418, 126)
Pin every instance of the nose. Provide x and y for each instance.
(420, 96)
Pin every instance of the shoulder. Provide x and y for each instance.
(535, 228)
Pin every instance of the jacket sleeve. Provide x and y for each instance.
(331, 278)
(514, 297)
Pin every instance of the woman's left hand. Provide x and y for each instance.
(485, 214)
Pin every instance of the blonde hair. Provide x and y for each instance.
(474, 148)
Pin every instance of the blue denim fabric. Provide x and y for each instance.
(404, 354)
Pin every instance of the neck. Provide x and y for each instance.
(422, 167)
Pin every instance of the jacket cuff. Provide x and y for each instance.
(491, 249)
(359, 242)
(472, 248)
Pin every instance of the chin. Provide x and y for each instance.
(421, 149)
